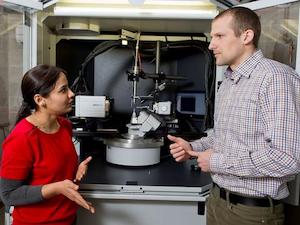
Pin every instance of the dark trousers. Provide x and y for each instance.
(222, 212)
(75, 221)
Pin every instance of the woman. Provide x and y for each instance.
(39, 167)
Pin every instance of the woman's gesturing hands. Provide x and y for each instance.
(69, 188)
(82, 169)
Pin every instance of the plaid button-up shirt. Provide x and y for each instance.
(256, 138)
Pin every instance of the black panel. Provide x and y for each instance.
(166, 173)
(107, 74)
(201, 208)
(70, 54)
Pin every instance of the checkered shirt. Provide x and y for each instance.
(256, 137)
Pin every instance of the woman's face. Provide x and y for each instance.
(60, 99)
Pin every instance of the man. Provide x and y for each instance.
(255, 147)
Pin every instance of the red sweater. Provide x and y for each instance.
(39, 158)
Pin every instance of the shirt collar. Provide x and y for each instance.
(245, 68)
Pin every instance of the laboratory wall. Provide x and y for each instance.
(11, 64)
(3, 72)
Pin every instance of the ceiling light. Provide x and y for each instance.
(136, 12)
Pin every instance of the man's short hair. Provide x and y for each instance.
(243, 19)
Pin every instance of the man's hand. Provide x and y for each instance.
(180, 149)
(82, 169)
(203, 159)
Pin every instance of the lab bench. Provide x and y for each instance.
(169, 192)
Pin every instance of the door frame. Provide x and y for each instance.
(29, 8)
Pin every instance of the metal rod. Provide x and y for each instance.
(157, 62)
(135, 70)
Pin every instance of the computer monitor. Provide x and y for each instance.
(191, 103)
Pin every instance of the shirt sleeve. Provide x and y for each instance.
(14, 192)
(203, 143)
(280, 113)
(16, 164)
(17, 157)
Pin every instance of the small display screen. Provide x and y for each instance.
(188, 104)
(191, 103)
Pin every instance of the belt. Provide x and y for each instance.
(249, 201)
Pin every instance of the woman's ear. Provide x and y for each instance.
(39, 100)
(248, 36)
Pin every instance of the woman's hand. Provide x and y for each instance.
(82, 169)
(68, 189)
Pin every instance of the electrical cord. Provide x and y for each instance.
(79, 85)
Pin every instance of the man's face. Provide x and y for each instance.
(226, 46)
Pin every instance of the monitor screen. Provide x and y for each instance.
(188, 104)
(191, 103)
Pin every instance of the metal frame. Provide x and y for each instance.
(146, 189)
(32, 4)
(260, 4)
(30, 29)
(33, 40)
(153, 196)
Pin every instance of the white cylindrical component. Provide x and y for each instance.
(132, 156)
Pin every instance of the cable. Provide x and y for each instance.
(209, 79)
(79, 85)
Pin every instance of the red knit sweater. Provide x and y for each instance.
(39, 158)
